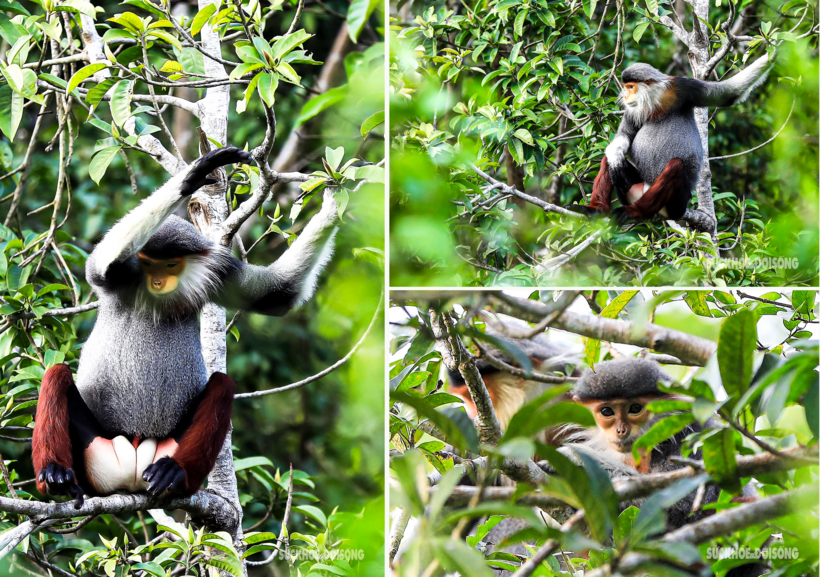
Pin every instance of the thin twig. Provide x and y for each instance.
(325, 372)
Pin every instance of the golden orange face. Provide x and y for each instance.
(161, 275)
(630, 91)
(621, 420)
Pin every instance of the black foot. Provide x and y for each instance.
(164, 475)
(620, 216)
(198, 175)
(587, 211)
(61, 481)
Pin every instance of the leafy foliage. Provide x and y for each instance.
(759, 391)
(526, 92)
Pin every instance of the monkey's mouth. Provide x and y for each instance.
(624, 446)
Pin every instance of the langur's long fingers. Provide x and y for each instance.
(50, 470)
(59, 479)
(42, 476)
(161, 483)
(149, 471)
(69, 476)
(179, 480)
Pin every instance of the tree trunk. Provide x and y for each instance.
(698, 59)
(208, 210)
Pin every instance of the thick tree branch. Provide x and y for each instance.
(630, 488)
(689, 348)
(457, 358)
(210, 509)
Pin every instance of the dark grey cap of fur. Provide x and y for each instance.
(174, 238)
(641, 72)
(620, 379)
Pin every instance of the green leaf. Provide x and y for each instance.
(84, 73)
(719, 460)
(652, 517)
(117, 34)
(173, 66)
(201, 18)
(100, 161)
(372, 122)
(95, 94)
(151, 568)
(524, 135)
(310, 185)
(652, 6)
(242, 464)
(456, 556)
(267, 88)
(321, 102)
(518, 25)
(448, 427)
(697, 302)
(243, 69)
(591, 486)
(589, 7)
(357, 16)
(129, 21)
(376, 256)
(78, 6)
(167, 37)
(334, 156)
(287, 43)
(659, 432)
(288, 73)
(342, 198)
(11, 111)
(227, 564)
(313, 512)
(639, 30)
(736, 345)
(557, 414)
(51, 288)
(121, 102)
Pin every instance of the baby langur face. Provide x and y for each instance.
(161, 275)
(621, 420)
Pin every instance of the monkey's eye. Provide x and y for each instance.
(145, 263)
(171, 264)
(635, 409)
(607, 412)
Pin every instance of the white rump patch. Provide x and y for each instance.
(115, 466)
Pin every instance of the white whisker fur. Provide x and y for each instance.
(195, 288)
(647, 100)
